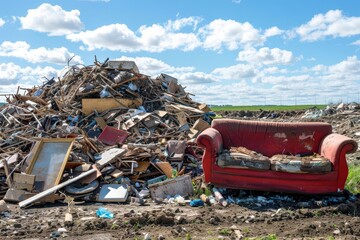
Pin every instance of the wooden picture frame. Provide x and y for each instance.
(48, 161)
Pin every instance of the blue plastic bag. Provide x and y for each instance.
(196, 203)
(104, 213)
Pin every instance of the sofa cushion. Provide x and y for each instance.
(297, 164)
(243, 158)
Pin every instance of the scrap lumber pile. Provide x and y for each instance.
(103, 132)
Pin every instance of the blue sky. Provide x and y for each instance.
(239, 52)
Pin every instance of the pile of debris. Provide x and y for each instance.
(103, 133)
(297, 115)
(342, 108)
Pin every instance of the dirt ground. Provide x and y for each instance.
(290, 220)
(257, 215)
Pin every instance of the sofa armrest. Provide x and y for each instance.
(335, 147)
(210, 139)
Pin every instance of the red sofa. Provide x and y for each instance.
(270, 138)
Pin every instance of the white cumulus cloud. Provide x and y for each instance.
(21, 49)
(96, 0)
(153, 67)
(356, 42)
(112, 37)
(186, 75)
(285, 79)
(2, 22)
(266, 56)
(52, 20)
(11, 73)
(273, 31)
(349, 66)
(319, 69)
(154, 38)
(183, 22)
(331, 24)
(191, 78)
(236, 72)
(230, 34)
(8, 73)
(181, 34)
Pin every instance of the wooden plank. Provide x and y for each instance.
(182, 118)
(160, 113)
(90, 144)
(142, 166)
(54, 188)
(103, 104)
(117, 173)
(179, 185)
(135, 120)
(71, 165)
(200, 125)
(83, 168)
(180, 107)
(101, 122)
(109, 156)
(193, 133)
(204, 107)
(7, 173)
(31, 98)
(68, 219)
(165, 168)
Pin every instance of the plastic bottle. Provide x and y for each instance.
(219, 197)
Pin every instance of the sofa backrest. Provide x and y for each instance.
(270, 138)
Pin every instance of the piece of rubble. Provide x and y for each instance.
(3, 206)
(180, 185)
(113, 193)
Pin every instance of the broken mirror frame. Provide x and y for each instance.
(48, 161)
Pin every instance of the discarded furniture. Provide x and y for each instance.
(269, 139)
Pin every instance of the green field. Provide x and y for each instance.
(353, 180)
(266, 107)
